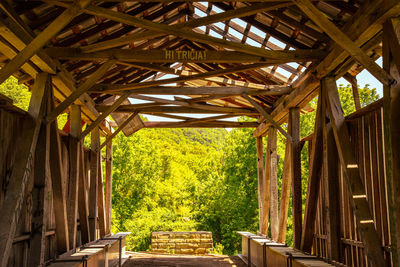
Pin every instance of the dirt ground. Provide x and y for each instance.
(154, 259)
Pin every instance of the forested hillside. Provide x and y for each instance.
(191, 179)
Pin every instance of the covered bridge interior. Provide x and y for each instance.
(96, 60)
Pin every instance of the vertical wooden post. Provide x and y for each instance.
(295, 158)
(94, 169)
(271, 159)
(391, 114)
(108, 188)
(285, 194)
(74, 154)
(331, 188)
(57, 181)
(82, 198)
(314, 177)
(263, 217)
(100, 197)
(40, 201)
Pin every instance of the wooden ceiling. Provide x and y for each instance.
(243, 58)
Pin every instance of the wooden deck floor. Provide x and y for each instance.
(153, 259)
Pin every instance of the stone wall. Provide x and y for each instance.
(198, 243)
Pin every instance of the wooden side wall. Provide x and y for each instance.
(366, 132)
(10, 129)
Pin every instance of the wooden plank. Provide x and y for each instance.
(354, 87)
(40, 202)
(41, 39)
(314, 178)
(80, 90)
(271, 159)
(263, 206)
(357, 194)
(172, 56)
(22, 169)
(331, 189)
(93, 192)
(215, 124)
(83, 208)
(391, 99)
(100, 197)
(73, 181)
(295, 158)
(267, 116)
(108, 187)
(58, 183)
(285, 194)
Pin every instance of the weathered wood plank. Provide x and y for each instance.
(108, 187)
(295, 158)
(263, 206)
(83, 208)
(100, 197)
(285, 194)
(93, 187)
(271, 159)
(22, 170)
(215, 124)
(357, 194)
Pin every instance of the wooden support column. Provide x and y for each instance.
(40, 200)
(391, 111)
(285, 194)
(108, 187)
(94, 169)
(295, 159)
(356, 189)
(262, 203)
(22, 170)
(100, 197)
(314, 177)
(83, 198)
(331, 188)
(58, 183)
(73, 181)
(271, 162)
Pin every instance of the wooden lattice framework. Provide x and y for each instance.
(264, 60)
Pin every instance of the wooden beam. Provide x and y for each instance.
(41, 39)
(93, 192)
(271, 159)
(16, 189)
(262, 205)
(215, 124)
(108, 187)
(356, 189)
(171, 56)
(285, 194)
(104, 115)
(295, 158)
(331, 188)
(41, 179)
(343, 40)
(185, 33)
(391, 100)
(223, 16)
(83, 208)
(354, 87)
(100, 196)
(80, 90)
(180, 109)
(73, 181)
(314, 176)
(267, 116)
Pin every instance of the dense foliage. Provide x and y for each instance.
(192, 179)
